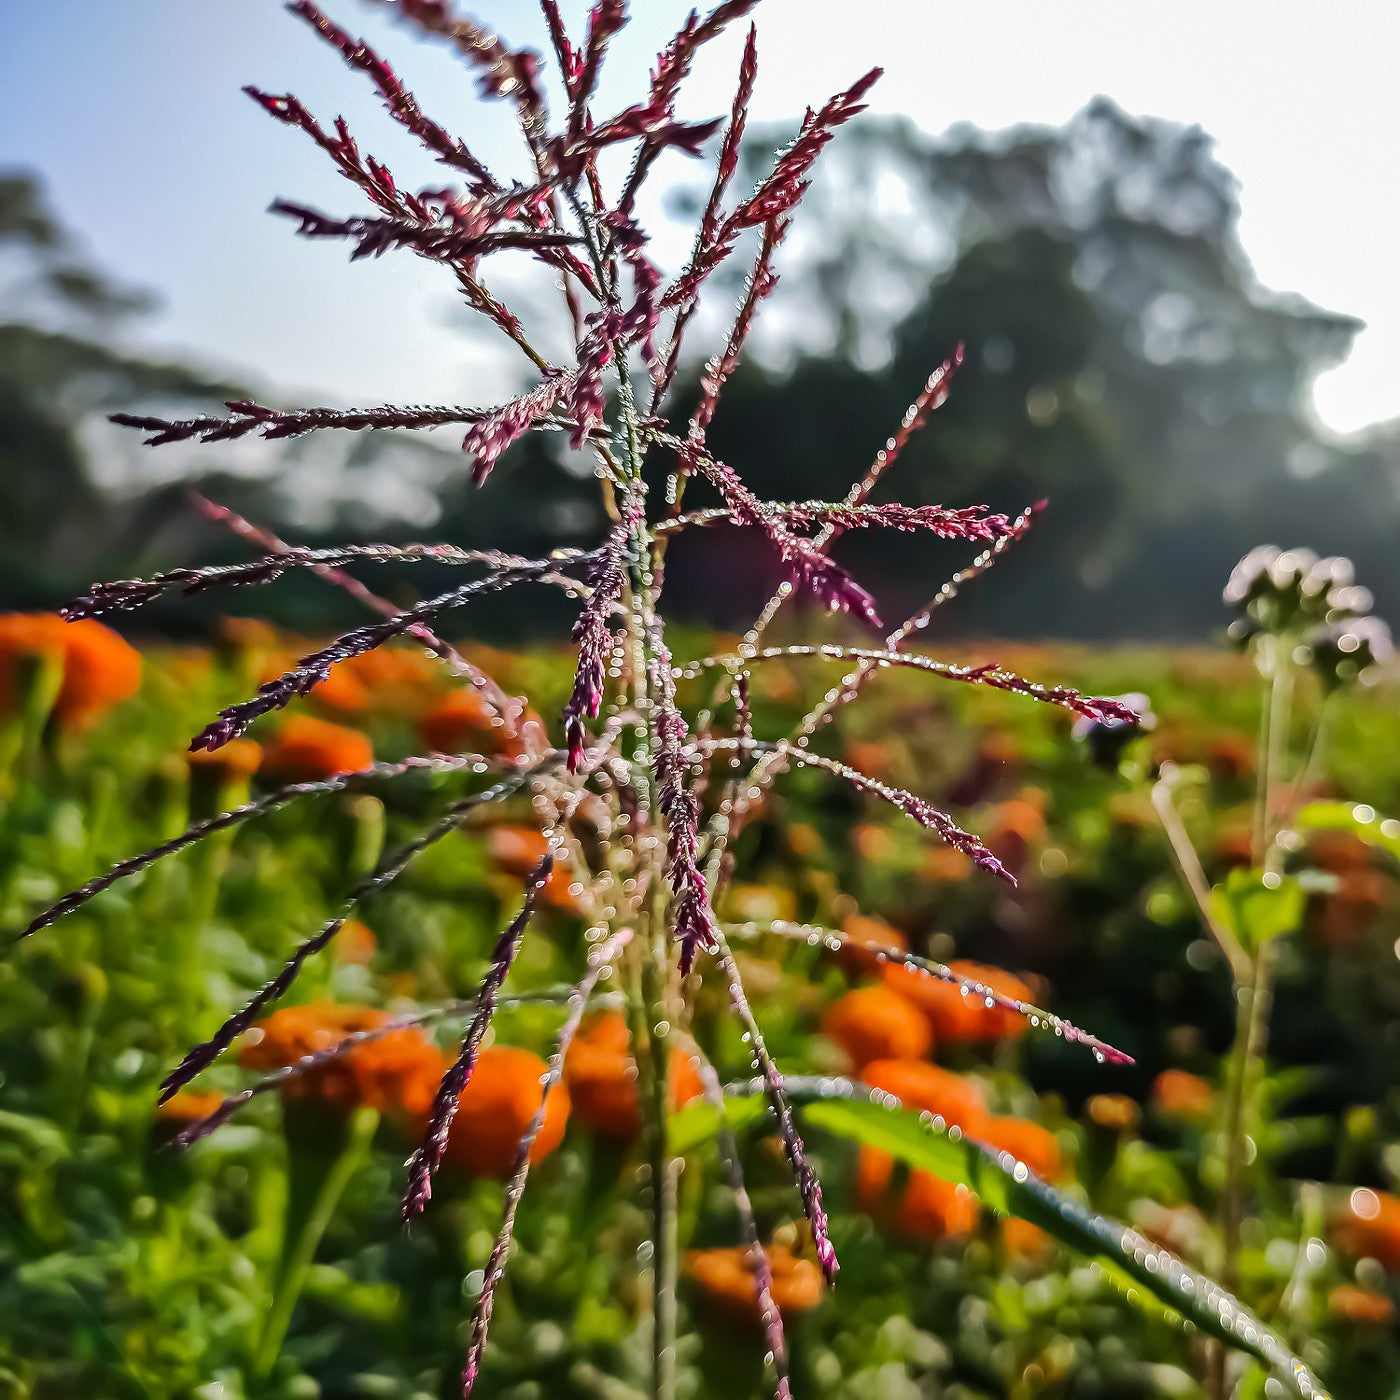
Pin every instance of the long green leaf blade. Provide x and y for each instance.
(1008, 1186)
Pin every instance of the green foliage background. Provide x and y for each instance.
(128, 1271)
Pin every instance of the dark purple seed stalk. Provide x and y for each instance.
(831, 939)
(600, 959)
(311, 670)
(373, 237)
(911, 805)
(425, 1161)
(246, 417)
(594, 637)
(973, 523)
(204, 1054)
(128, 594)
(772, 763)
(401, 103)
(513, 711)
(692, 918)
(990, 674)
(769, 1312)
(279, 797)
(318, 1059)
(725, 167)
(808, 1187)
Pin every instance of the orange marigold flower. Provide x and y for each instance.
(870, 757)
(1230, 757)
(1027, 1142)
(240, 758)
(517, 850)
(1024, 1240)
(306, 749)
(935, 1209)
(1369, 1227)
(397, 1072)
(496, 1107)
(1114, 1111)
(873, 842)
(926, 1088)
(942, 865)
(1353, 1304)
(929, 1209)
(184, 1108)
(602, 1078)
(462, 721)
(1343, 916)
(99, 667)
(863, 934)
(1017, 825)
(873, 1023)
(355, 944)
(342, 690)
(726, 1281)
(1178, 1094)
(958, 1016)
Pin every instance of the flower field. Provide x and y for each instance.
(268, 1258)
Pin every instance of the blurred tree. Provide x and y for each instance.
(1123, 360)
(61, 369)
(80, 499)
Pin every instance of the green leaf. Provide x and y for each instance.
(36, 1135)
(1259, 906)
(1007, 1186)
(699, 1121)
(1355, 817)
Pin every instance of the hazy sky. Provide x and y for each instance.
(132, 111)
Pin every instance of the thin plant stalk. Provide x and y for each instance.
(1253, 992)
(652, 1036)
(299, 1250)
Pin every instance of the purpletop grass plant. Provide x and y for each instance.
(678, 770)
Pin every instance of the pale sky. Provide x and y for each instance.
(132, 111)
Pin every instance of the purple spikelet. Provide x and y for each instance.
(311, 670)
(692, 919)
(777, 194)
(424, 1162)
(809, 569)
(769, 1312)
(401, 103)
(501, 71)
(600, 961)
(487, 440)
(808, 1187)
(594, 636)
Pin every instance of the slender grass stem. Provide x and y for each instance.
(1254, 991)
(663, 1166)
(299, 1249)
(1188, 865)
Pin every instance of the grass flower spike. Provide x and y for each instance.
(642, 785)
